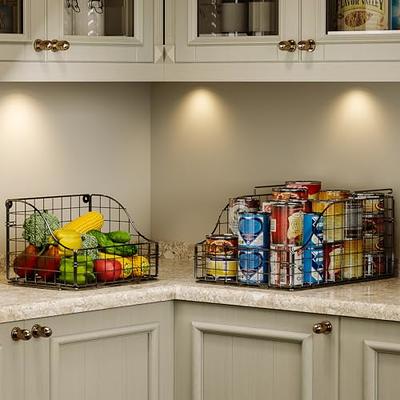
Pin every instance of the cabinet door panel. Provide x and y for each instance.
(369, 360)
(336, 44)
(123, 354)
(196, 43)
(12, 371)
(102, 31)
(230, 353)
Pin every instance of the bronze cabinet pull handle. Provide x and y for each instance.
(324, 327)
(20, 334)
(287, 45)
(307, 45)
(41, 331)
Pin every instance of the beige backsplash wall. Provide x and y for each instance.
(72, 138)
(213, 141)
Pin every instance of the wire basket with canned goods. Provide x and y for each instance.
(297, 235)
(75, 241)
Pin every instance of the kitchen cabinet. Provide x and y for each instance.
(233, 353)
(122, 354)
(369, 360)
(293, 32)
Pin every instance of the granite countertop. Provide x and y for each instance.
(374, 300)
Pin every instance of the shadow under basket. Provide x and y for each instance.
(340, 241)
(50, 263)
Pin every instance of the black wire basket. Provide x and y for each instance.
(282, 243)
(75, 241)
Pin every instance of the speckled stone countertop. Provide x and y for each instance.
(375, 300)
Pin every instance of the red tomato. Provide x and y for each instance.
(107, 270)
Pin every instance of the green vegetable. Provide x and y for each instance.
(110, 247)
(119, 236)
(36, 231)
(90, 243)
(84, 270)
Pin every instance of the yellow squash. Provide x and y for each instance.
(70, 239)
(92, 220)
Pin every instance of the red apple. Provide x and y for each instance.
(107, 270)
(49, 263)
(25, 262)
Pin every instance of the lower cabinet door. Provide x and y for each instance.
(12, 370)
(118, 354)
(369, 360)
(236, 353)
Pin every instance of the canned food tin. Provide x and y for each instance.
(221, 267)
(373, 243)
(313, 248)
(373, 203)
(254, 229)
(287, 223)
(361, 15)
(290, 193)
(313, 187)
(333, 261)
(238, 205)
(253, 266)
(333, 194)
(374, 264)
(373, 224)
(353, 226)
(286, 266)
(221, 245)
(353, 259)
(333, 212)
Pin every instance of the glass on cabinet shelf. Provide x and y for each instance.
(11, 17)
(219, 18)
(360, 16)
(99, 18)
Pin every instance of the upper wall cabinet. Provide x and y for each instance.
(101, 30)
(287, 30)
(21, 21)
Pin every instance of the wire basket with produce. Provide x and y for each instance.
(75, 241)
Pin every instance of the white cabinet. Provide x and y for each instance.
(123, 354)
(21, 21)
(234, 353)
(201, 35)
(369, 360)
(102, 31)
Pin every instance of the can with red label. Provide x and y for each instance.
(287, 223)
(238, 205)
(221, 245)
(286, 266)
(313, 187)
(373, 224)
(333, 261)
(290, 193)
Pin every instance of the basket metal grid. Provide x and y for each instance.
(344, 244)
(138, 267)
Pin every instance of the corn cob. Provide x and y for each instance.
(87, 222)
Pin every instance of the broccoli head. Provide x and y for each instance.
(90, 244)
(36, 230)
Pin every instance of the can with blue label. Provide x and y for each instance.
(395, 11)
(254, 229)
(313, 229)
(253, 265)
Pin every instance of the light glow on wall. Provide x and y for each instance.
(203, 114)
(358, 113)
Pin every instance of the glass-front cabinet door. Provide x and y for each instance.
(352, 30)
(21, 22)
(236, 30)
(102, 30)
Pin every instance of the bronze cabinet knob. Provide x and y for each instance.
(59, 45)
(324, 327)
(41, 331)
(42, 45)
(307, 45)
(20, 334)
(287, 45)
